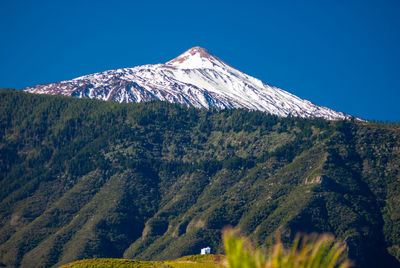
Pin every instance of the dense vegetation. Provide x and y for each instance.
(153, 181)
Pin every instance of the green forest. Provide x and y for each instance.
(84, 178)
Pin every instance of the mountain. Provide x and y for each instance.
(82, 178)
(195, 78)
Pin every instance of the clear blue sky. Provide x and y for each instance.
(343, 54)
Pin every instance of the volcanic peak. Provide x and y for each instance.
(195, 78)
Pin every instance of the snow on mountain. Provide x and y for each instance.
(195, 78)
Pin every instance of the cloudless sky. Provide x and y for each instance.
(343, 54)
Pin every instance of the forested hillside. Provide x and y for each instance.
(84, 178)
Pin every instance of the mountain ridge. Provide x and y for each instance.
(86, 178)
(194, 78)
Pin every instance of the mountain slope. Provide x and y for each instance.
(195, 78)
(86, 178)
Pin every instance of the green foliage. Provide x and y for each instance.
(306, 251)
(83, 178)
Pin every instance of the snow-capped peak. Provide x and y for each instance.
(194, 78)
(196, 58)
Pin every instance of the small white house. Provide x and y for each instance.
(206, 250)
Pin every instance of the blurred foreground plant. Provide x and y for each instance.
(307, 251)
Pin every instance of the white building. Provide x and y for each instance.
(206, 250)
